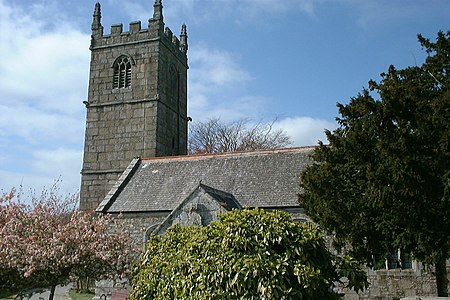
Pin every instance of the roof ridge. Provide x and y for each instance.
(225, 154)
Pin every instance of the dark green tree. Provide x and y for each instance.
(382, 183)
(248, 254)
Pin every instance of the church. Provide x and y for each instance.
(135, 160)
(135, 154)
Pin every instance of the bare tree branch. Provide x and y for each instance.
(213, 136)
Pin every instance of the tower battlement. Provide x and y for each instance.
(137, 100)
(138, 34)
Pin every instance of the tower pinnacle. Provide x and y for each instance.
(96, 20)
(183, 39)
(156, 23)
(157, 10)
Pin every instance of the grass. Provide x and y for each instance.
(7, 294)
(79, 296)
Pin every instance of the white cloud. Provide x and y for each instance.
(60, 162)
(45, 69)
(216, 67)
(305, 131)
(217, 85)
(43, 167)
(44, 63)
(36, 126)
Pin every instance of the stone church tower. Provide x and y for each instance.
(137, 100)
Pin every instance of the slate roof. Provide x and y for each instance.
(266, 179)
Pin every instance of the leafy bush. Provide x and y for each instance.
(246, 254)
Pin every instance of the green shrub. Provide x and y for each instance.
(246, 254)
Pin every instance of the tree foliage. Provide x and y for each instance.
(48, 243)
(382, 183)
(214, 136)
(246, 254)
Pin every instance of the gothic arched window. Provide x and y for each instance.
(122, 72)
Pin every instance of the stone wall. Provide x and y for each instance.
(139, 226)
(397, 283)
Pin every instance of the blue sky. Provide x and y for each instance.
(259, 59)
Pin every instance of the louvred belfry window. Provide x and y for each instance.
(122, 73)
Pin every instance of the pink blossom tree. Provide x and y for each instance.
(48, 242)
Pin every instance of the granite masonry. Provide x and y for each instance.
(137, 100)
